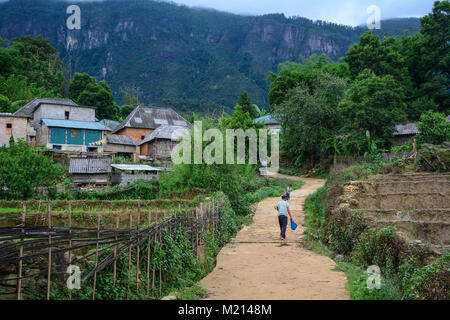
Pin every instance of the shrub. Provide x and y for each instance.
(434, 128)
(23, 171)
(429, 282)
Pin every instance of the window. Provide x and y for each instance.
(9, 126)
(142, 137)
(66, 115)
(74, 133)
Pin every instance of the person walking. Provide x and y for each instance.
(288, 191)
(283, 212)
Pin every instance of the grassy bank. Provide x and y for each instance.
(407, 271)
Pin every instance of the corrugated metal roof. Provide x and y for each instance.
(406, 129)
(110, 124)
(151, 118)
(75, 124)
(267, 119)
(120, 139)
(136, 167)
(89, 165)
(28, 109)
(166, 132)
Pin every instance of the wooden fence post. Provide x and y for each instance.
(70, 239)
(148, 254)
(19, 277)
(115, 249)
(137, 247)
(49, 269)
(213, 218)
(129, 254)
(191, 216)
(154, 248)
(160, 263)
(96, 255)
(196, 232)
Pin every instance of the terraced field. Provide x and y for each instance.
(418, 205)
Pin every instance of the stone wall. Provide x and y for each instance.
(124, 179)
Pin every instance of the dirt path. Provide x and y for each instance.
(257, 265)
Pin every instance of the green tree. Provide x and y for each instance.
(240, 119)
(23, 171)
(247, 106)
(293, 74)
(78, 84)
(130, 96)
(38, 62)
(380, 56)
(375, 104)
(29, 68)
(99, 95)
(435, 53)
(5, 104)
(126, 110)
(434, 128)
(309, 116)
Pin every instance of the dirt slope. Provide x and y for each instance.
(257, 265)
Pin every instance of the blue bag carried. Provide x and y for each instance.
(293, 225)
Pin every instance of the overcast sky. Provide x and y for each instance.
(348, 12)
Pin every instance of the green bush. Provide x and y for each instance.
(382, 248)
(434, 128)
(23, 171)
(429, 282)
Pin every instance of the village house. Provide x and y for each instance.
(124, 174)
(120, 146)
(69, 135)
(159, 144)
(270, 123)
(90, 170)
(16, 126)
(404, 132)
(61, 124)
(144, 120)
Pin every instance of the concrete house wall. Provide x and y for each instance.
(51, 111)
(64, 139)
(19, 128)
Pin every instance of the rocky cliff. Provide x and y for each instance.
(171, 51)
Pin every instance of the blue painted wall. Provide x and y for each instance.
(75, 136)
(57, 135)
(92, 136)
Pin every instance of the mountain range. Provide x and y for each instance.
(175, 54)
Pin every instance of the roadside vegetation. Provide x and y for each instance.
(408, 271)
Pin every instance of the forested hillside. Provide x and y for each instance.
(195, 59)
